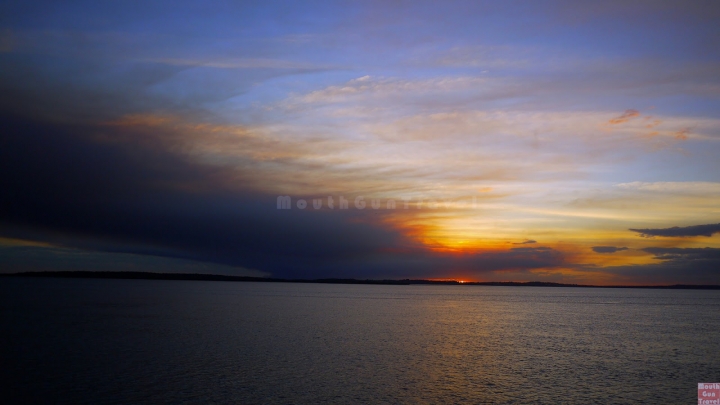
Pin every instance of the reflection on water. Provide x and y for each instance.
(141, 341)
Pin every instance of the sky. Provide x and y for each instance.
(558, 141)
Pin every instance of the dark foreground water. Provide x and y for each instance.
(139, 341)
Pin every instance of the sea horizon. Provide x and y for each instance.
(146, 275)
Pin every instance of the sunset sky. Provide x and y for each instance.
(562, 141)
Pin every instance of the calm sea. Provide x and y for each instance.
(89, 341)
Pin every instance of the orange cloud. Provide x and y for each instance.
(625, 117)
(682, 134)
(652, 124)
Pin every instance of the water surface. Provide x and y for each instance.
(150, 342)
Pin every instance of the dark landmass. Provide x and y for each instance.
(139, 275)
(136, 275)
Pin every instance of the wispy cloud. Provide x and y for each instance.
(240, 63)
(526, 242)
(625, 117)
(608, 249)
(674, 187)
(679, 254)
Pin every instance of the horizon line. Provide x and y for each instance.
(146, 275)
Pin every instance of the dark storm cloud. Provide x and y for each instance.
(607, 249)
(66, 179)
(61, 186)
(695, 230)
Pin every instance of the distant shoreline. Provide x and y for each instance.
(136, 275)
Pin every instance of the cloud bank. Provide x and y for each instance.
(676, 231)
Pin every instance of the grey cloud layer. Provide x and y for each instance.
(607, 249)
(676, 231)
